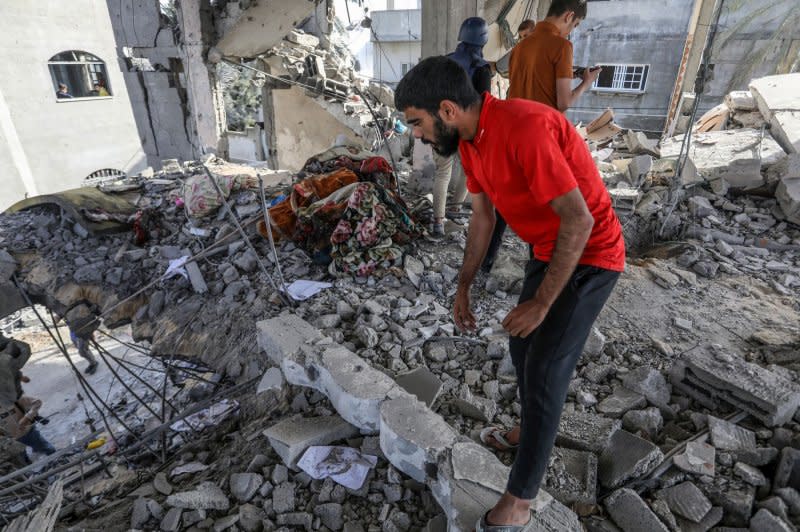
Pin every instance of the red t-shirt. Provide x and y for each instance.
(523, 156)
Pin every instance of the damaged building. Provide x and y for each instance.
(272, 318)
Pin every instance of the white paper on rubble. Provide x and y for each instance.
(207, 417)
(301, 289)
(176, 268)
(344, 465)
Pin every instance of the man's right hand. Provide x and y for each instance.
(462, 313)
(591, 74)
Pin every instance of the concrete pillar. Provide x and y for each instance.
(441, 20)
(206, 106)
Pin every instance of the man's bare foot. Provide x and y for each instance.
(510, 510)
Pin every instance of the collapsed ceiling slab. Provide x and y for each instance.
(262, 26)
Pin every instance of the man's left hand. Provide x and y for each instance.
(524, 318)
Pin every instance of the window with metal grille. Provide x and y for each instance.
(77, 74)
(406, 67)
(622, 78)
(104, 175)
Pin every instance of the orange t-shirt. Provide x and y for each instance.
(537, 62)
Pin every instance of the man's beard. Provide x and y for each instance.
(446, 142)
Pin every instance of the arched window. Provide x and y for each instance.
(78, 75)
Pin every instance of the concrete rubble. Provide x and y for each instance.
(375, 364)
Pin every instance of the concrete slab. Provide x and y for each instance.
(421, 383)
(788, 196)
(686, 500)
(649, 382)
(354, 387)
(627, 456)
(586, 432)
(711, 519)
(282, 336)
(620, 402)
(785, 127)
(572, 476)
(631, 513)
(291, 437)
(714, 376)
(776, 93)
(413, 437)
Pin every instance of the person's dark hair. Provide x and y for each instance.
(559, 7)
(435, 79)
(526, 24)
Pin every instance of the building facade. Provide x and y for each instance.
(396, 43)
(50, 141)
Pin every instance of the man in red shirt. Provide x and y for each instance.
(528, 161)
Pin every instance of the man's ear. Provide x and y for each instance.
(448, 110)
(569, 17)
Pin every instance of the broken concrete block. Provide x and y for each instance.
(272, 381)
(283, 498)
(354, 387)
(638, 169)
(741, 101)
(139, 513)
(698, 458)
(207, 496)
(412, 436)
(572, 476)
(766, 521)
(650, 383)
(475, 407)
(245, 485)
(749, 474)
(686, 500)
(631, 513)
(624, 200)
(638, 143)
(788, 472)
(195, 275)
(172, 520)
(776, 93)
(711, 377)
(788, 196)
(595, 343)
(627, 456)
(586, 432)
(291, 437)
(8, 266)
(282, 336)
(647, 422)
(471, 479)
(303, 39)
(421, 383)
(713, 517)
(700, 207)
(727, 436)
(619, 402)
(785, 127)
(736, 500)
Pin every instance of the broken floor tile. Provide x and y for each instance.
(292, 436)
(627, 456)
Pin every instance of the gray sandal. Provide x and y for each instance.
(483, 526)
(497, 434)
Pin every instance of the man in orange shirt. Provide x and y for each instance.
(540, 68)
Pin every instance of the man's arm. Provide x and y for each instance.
(566, 95)
(573, 233)
(479, 234)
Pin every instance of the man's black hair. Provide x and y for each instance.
(559, 7)
(435, 79)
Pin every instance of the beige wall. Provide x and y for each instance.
(60, 141)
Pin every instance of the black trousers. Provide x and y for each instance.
(495, 242)
(544, 362)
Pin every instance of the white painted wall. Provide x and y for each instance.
(389, 59)
(60, 141)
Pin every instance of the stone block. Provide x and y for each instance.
(788, 196)
(421, 383)
(586, 432)
(698, 458)
(572, 476)
(207, 496)
(291, 437)
(714, 376)
(413, 437)
(650, 383)
(727, 436)
(627, 457)
(631, 513)
(621, 401)
(686, 500)
(788, 472)
(766, 521)
(741, 101)
(282, 336)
